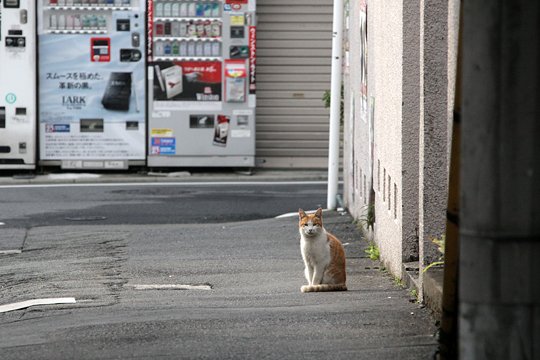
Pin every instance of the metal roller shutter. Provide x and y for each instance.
(294, 47)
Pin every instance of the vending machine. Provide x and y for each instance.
(17, 84)
(92, 112)
(201, 83)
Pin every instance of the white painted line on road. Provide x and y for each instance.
(1, 223)
(291, 214)
(172, 287)
(191, 183)
(10, 252)
(36, 302)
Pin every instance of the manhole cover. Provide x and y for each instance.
(86, 218)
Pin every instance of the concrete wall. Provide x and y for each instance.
(385, 49)
(412, 98)
(409, 65)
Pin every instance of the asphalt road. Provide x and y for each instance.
(43, 205)
(249, 261)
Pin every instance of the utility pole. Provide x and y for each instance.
(499, 294)
(335, 104)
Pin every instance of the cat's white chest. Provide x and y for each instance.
(315, 249)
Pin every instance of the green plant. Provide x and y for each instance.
(414, 293)
(398, 282)
(373, 252)
(327, 98)
(367, 219)
(441, 248)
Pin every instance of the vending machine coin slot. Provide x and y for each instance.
(135, 39)
(20, 111)
(100, 49)
(22, 148)
(23, 16)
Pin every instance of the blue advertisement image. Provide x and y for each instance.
(163, 146)
(92, 83)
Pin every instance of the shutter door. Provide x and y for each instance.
(294, 48)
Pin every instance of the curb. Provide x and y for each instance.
(172, 177)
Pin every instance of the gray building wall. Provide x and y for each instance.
(409, 67)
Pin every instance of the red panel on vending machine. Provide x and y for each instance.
(100, 49)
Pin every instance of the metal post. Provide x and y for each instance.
(335, 103)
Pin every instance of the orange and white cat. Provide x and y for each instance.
(323, 255)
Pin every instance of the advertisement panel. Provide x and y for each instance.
(92, 82)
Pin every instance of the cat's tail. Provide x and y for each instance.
(323, 287)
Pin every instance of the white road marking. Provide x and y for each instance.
(36, 302)
(172, 287)
(1, 223)
(190, 183)
(10, 252)
(291, 214)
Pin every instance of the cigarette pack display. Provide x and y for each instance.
(172, 78)
(118, 92)
(235, 80)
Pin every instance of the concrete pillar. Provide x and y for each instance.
(500, 181)
(433, 148)
(411, 122)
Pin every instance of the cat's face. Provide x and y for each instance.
(310, 225)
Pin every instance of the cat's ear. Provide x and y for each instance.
(301, 213)
(318, 213)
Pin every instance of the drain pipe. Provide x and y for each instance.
(335, 103)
